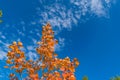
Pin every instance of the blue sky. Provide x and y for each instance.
(86, 29)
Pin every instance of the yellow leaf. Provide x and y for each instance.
(5, 66)
(20, 44)
(14, 43)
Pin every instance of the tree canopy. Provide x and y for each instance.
(47, 67)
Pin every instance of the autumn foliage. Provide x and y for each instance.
(51, 67)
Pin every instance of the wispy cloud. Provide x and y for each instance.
(32, 55)
(3, 50)
(2, 55)
(66, 15)
(58, 16)
(61, 16)
(99, 7)
(60, 44)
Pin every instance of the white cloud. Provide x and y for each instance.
(34, 41)
(2, 54)
(65, 16)
(3, 37)
(60, 45)
(61, 16)
(3, 50)
(58, 16)
(21, 33)
(107, 1)
(30, 48)
(97, 7)
(32, 55)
